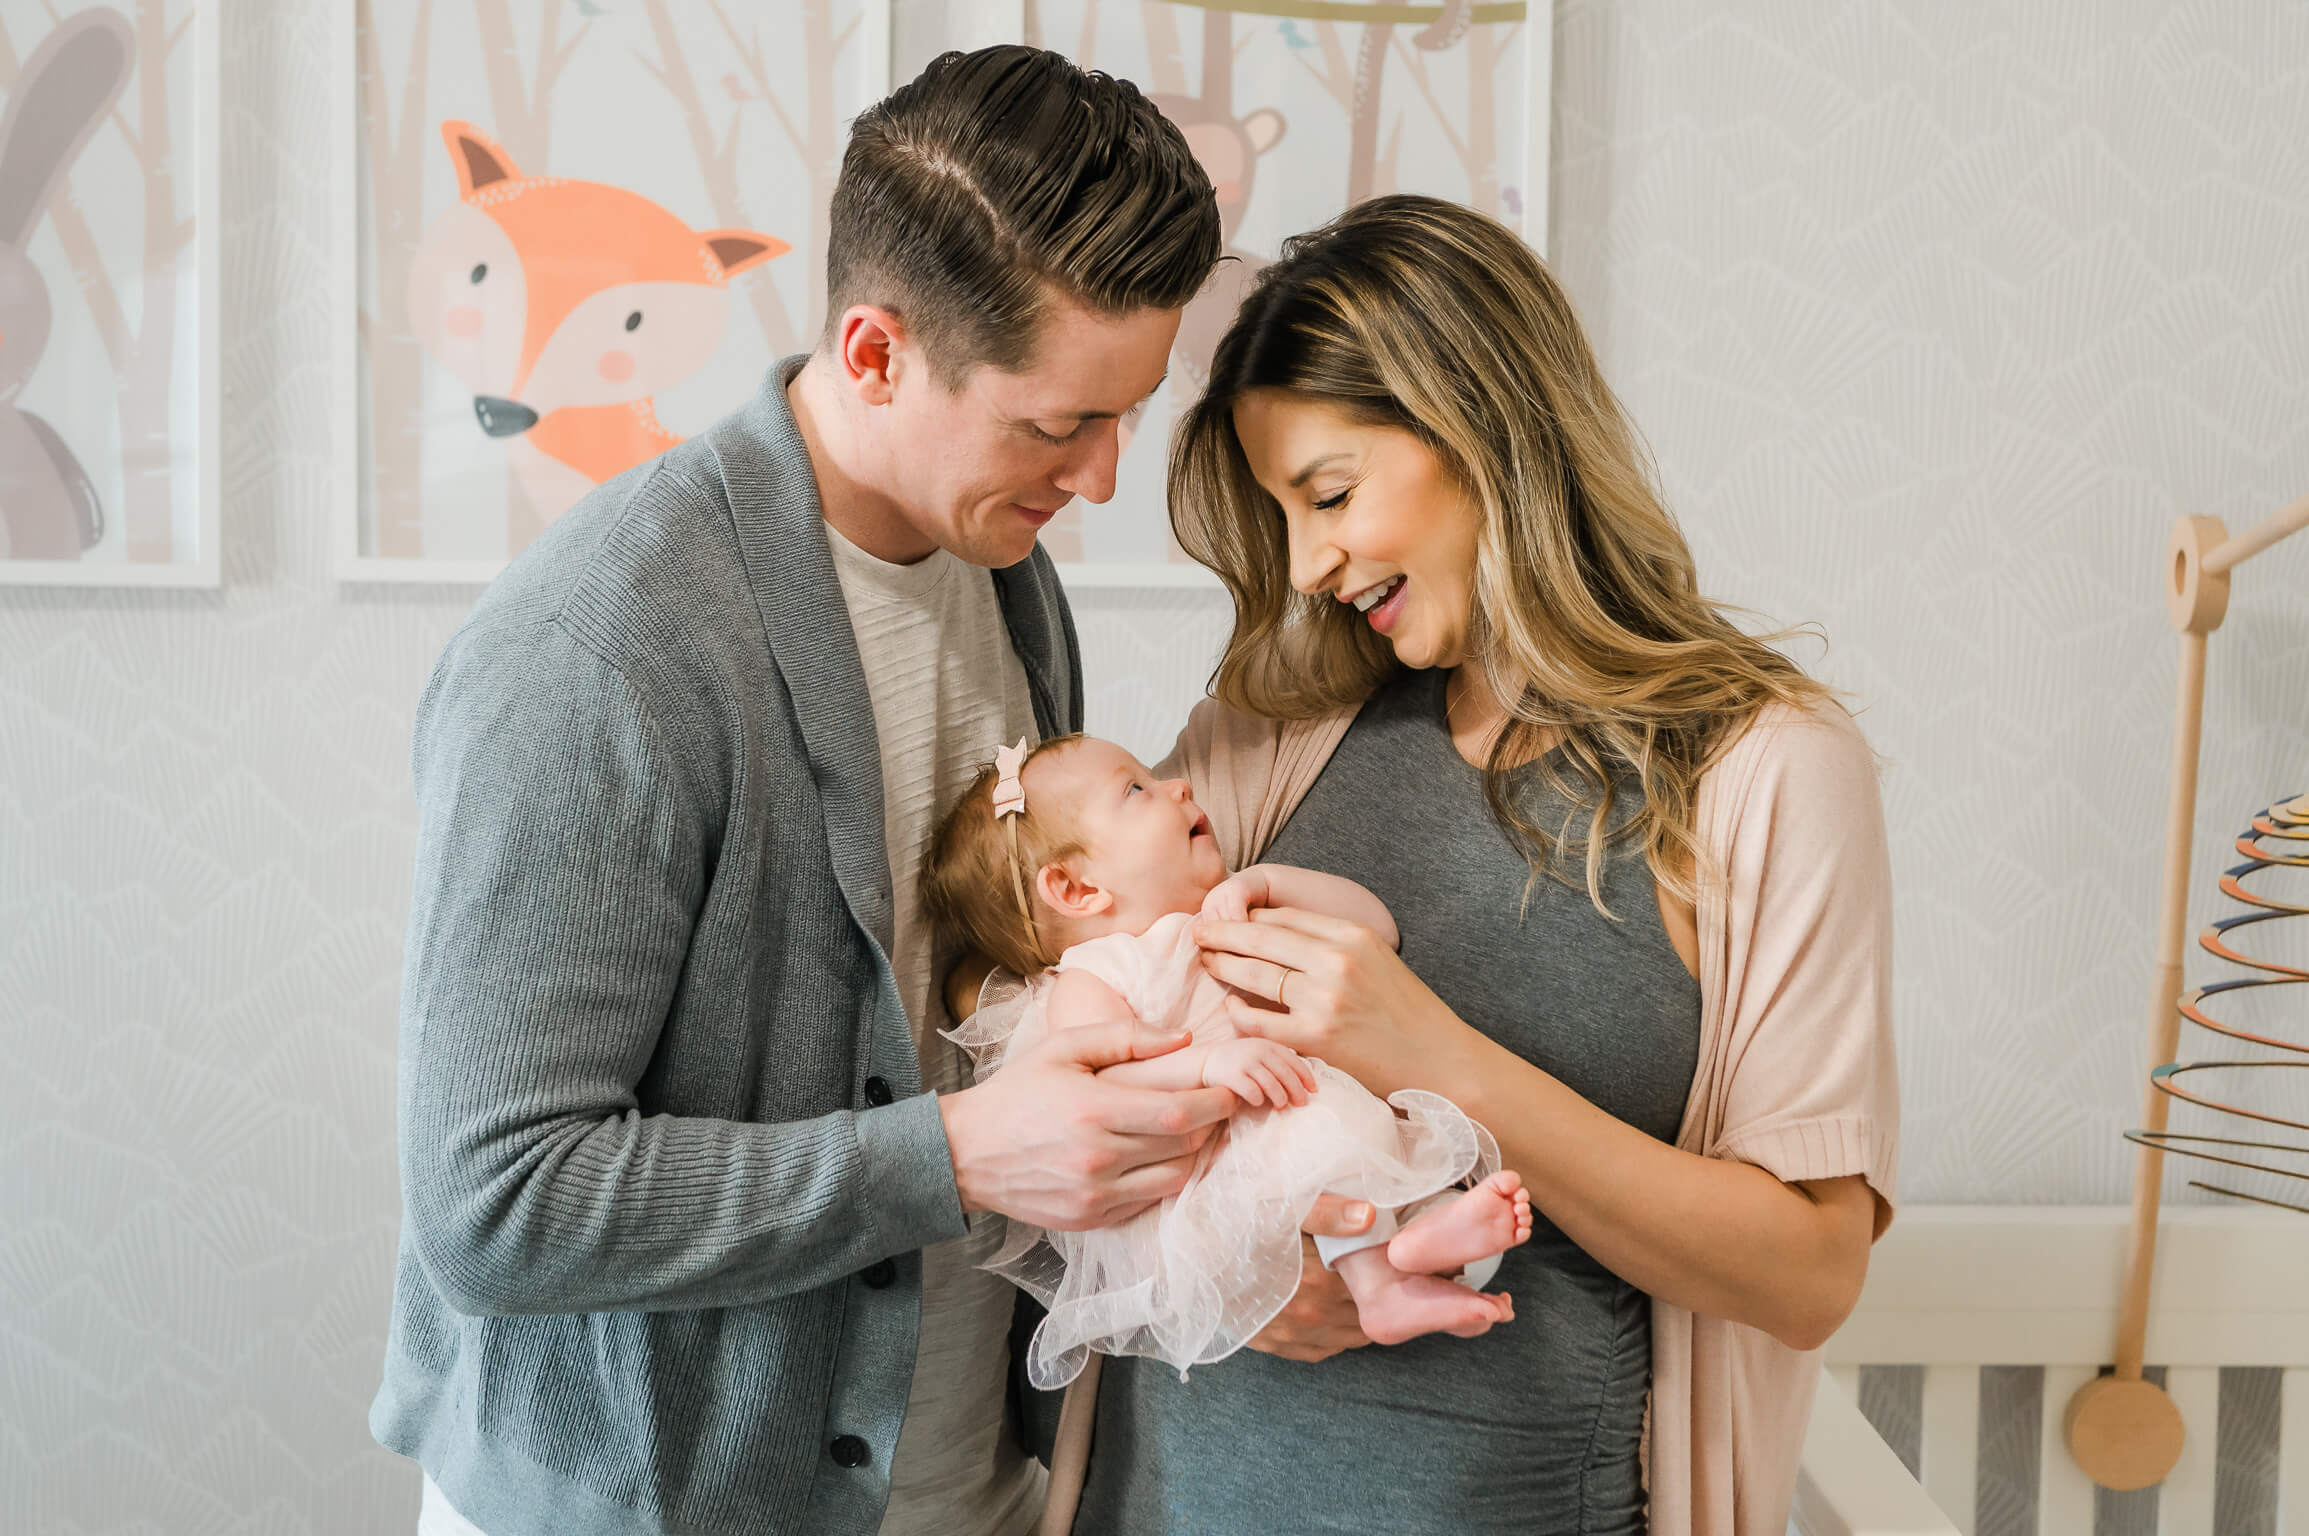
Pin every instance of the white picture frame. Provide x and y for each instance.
(127, 432)
(855, 35)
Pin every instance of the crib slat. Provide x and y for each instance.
(2293, 1455)
(2245, 1483)
(1952, 1440)
(2185, 1500)
(2064, 1503)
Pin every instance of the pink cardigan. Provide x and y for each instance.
(1796, 1072)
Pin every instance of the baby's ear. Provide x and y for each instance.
(1068, 893)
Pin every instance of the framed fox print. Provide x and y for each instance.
(580, 232)
(108, 293)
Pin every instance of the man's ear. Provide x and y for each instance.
(870, 346)
(1069, 894)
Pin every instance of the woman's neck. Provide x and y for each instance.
(1475, 705)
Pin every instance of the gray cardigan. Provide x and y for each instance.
(665, 1158)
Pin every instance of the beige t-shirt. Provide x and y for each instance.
(947, 690)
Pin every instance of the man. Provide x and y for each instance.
(685, 1165)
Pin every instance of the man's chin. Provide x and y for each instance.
(994, 551)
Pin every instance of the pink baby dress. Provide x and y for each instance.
(1191, 1280)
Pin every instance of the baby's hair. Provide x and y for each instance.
(978, 881)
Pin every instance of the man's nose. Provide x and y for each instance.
(1091, 476)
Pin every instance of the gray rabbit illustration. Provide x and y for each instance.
(48, 507)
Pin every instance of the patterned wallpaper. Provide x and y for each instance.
(1935, 317)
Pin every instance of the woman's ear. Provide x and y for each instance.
(1069, 894)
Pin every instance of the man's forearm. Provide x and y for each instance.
(627, 1212)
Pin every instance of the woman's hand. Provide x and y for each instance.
(1320, 1320)
(1337, 992)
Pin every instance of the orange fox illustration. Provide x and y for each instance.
(565, 307)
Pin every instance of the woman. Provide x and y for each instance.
(1638, 863)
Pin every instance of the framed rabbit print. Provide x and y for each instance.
(108, 292)
(578, 233)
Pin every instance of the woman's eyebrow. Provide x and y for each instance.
(1304, 475)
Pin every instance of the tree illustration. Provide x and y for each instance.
(1082, 52)
(521, 109)
(396, 148)
(816, 137)
(1477, 146)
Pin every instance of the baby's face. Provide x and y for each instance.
(1147, 842)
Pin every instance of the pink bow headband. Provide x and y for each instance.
(1009, 801)
(1009, 794)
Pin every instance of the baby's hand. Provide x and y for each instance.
(1232, 899)
(1259, 1072)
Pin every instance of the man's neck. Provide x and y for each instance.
(845, 465)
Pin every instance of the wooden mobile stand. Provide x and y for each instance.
(2122, 1429)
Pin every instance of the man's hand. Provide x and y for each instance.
(1320, 1321)
(1044, 1141)
(1259, 1072)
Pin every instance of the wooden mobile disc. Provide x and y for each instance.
(2124, 1434)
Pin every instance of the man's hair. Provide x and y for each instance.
(997, 179)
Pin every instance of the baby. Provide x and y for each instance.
(1075, 867)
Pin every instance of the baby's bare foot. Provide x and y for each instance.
(1417, 1304)
(1491, 1218)
(1502, 1305)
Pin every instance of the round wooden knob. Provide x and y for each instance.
(2196, 602)
(2124, 1433)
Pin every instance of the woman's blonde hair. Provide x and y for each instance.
(1425, 316)
(978, 877)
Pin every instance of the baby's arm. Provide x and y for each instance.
(1286, 885)
(1079, 998)
(1256, 1071)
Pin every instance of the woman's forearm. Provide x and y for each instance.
(1313, 889)
(1722, 1238)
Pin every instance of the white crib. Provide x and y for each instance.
(1942, 1407)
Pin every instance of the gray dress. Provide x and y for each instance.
(1535, 1427)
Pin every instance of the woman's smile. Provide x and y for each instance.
(1382, 604)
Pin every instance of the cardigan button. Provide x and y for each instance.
(877, 1092)
(879, 1275)
(848, 1451)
